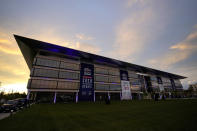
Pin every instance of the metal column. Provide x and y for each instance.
(54, 100)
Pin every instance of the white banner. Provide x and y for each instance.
(126, 91)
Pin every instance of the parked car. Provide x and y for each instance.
(22, 102)
(1, 109)
(9, 106)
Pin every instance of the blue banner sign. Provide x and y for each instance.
(86, 90)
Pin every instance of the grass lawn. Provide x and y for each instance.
(121, 115)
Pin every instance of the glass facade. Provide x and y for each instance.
(69, 75)
(40, 72)
(114, 79)
(101, 70)
(105, 78)
(104, 87)
(71, 66)
(114, 72)
(43, 84)
(133, 75)
(114, 87)
(101, 78)
(68, 85)
(135, 81)
(47, 62)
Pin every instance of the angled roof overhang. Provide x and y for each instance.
(29, 47)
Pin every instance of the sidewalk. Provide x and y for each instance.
(4, 115)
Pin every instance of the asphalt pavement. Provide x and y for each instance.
(4, 115)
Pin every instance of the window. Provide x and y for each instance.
(154, 84)
(69, 75)
(134, 82)
(135, 88)
(101, 78)
(101, 70)
(166, 80)
(177, 83)
(114, 72)
(132, 74)
(153, 78)
(43, 84)
(47, 62)
(45, 73)
(72, 66)
(159, 81)
(114, 87)
(114, 79)
(68, 85)
(102, 86)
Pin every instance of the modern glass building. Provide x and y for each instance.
(61, 74)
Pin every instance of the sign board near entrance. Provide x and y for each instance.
(125, 84)
(86, 90)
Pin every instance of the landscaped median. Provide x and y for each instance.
(119, 115)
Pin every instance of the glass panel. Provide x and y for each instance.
(69, 75)
(159, 81)
(101, 71)
(68, 85)
(101, 78)
(71, 66)
(114, 79)
(101, 86)
(43, 84)
(47, 62)
(153, 78)
(45, 73)
(134, 82)
(132, 74)
(166, 80)
(114, 87)
(154, 84)
(114, 72)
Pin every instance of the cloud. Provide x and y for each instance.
(17, 71)
(168, 59)
(83, 37)
(190, 43)
(9, 49)
(133, 33)
(130, 3)
(5, 41)
(178, 52)
(7, 45)
(13, 71)
(87, 47)
(51, 37)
